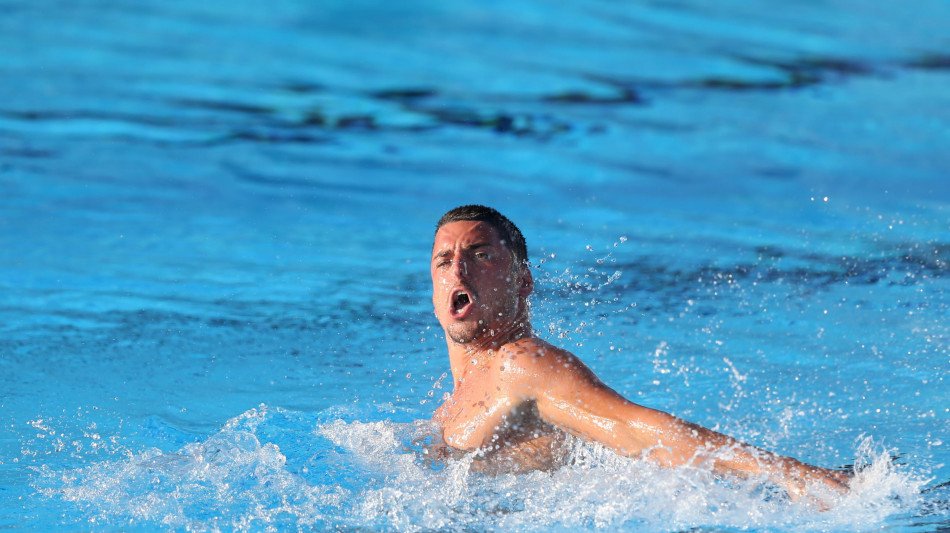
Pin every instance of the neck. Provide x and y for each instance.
(462, 355)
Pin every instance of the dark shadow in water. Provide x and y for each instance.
(539, 117)
(668, 286)
(936, 61)
(936, 504)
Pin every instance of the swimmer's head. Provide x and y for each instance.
(509, 234)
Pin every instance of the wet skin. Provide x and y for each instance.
(515, 395)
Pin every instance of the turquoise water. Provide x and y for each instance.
(216, 221)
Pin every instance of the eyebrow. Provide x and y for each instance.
(474, 246)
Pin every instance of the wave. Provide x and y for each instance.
(271, 468)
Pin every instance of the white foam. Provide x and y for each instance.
(377, 476)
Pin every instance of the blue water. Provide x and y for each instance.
(215, 223)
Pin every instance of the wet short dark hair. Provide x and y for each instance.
(509, 234)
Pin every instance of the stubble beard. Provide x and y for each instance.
(464, 333)
(477, 329)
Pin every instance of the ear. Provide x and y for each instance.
(526, 285)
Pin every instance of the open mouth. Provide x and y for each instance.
(461, 303)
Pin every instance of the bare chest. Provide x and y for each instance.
(477, 413)
(486, 415)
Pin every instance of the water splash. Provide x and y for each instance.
(270, 469)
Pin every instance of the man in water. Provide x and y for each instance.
(516, 396)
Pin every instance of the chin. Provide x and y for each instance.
(462, 333)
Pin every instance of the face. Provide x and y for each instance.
(476, 292)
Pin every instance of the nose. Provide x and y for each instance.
(460, 268)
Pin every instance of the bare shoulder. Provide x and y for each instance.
(536, 357)
(529, 351)
(554, 377)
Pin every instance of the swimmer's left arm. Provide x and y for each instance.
(570, 396)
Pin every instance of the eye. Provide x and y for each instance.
(482, 255)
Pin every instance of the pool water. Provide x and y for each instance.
(215, 223)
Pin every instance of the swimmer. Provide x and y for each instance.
(517, 397)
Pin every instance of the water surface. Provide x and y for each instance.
(216, 220)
